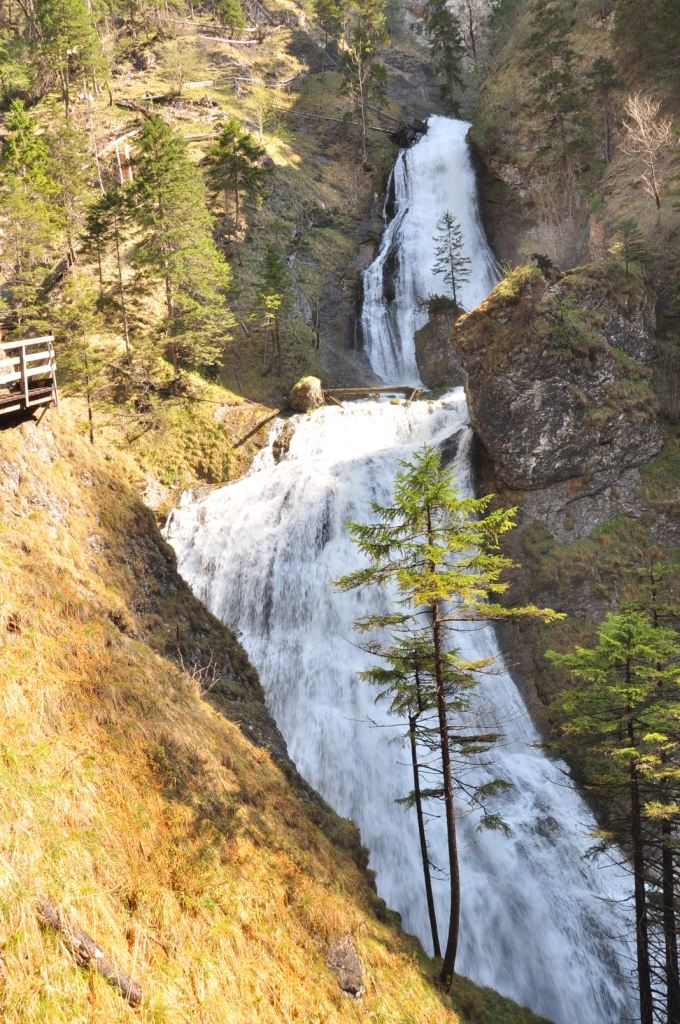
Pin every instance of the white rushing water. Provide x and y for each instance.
(537, 922)
(429, 179)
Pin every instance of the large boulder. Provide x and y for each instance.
(436, 357)
(549, 397)
(307, 395)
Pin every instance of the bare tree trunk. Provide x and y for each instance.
(423, 839)
(87, 952)
(670, 927)
(87, 391)
(446, 975)
(121, 291)
(641, 927)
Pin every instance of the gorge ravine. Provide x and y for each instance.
(539, 923)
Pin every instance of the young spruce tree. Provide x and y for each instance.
(630, 244)
(440, 552)
(273, 295)
(450, 261)
(234, 168)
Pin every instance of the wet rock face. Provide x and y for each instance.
(436, 357)
(549, 398)
(343, 959)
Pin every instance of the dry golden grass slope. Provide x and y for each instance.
(198, 858)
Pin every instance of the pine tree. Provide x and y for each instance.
(447, 48)
(167, 205)
(105, 230)
(631, 245)
(603, 80)
(230, 13)
(556, 94)
(234, 168)
(440, 553)
(610, 723)
(75, 320)
(30, 220)
(273, 296)
(327, 13)
(450, 262)
(69, 44)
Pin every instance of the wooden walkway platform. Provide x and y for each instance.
(28, 374)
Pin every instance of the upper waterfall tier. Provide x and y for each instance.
(432, 177)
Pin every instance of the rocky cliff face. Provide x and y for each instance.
(552, 389)
(437, 360)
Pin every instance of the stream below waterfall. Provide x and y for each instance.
(538, 922)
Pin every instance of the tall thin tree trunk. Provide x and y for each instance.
(446, 975)
(421, 832)
(87, 391)
(121, 292)
(670, 926)
(641, 926)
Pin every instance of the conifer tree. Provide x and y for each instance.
(557, 98)
(603, 80)
(273, 295)
(610, 723)
(167, 205)
(450, 262)
(69, 44)
(447, 48)
(75, 319)
(30, 220)
(105, 230)
(234, 168)
(630, 245)
(440, 552)
(327, 13)
(230, 13)
(364, 76)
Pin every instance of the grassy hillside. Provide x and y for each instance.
(146, 791)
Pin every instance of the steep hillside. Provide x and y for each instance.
(148, 794)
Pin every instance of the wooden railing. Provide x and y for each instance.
(28, 374)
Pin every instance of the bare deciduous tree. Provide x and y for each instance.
(648, 136)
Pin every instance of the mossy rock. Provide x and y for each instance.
(307, 395)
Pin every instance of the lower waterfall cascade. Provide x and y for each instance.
(538, 922)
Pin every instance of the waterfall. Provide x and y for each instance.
(538, 922)
(430, 178)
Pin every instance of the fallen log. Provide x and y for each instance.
(328, 397)
(400, 389)
(88, 953)
(255, 429)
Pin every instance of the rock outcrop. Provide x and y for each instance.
(307, 395)
(436, 357)
(343, 959)
(551, 391)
